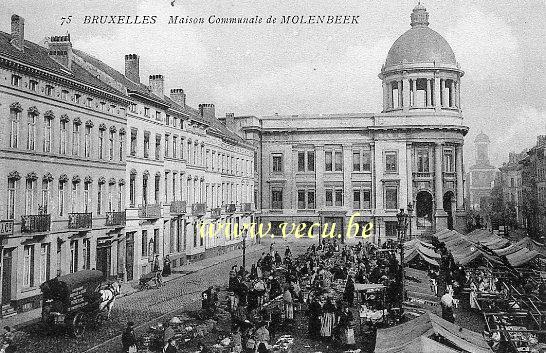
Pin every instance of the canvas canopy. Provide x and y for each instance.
(417, 336)
(462, 249)
(522, 256)
(417, 248)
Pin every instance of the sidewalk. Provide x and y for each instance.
(128, 288)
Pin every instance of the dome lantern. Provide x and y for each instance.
(419, 16)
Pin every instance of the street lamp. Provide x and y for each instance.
(378, 226)
(410, 214)
(244, 250)
(402, 218)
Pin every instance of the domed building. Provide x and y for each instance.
(364, 167)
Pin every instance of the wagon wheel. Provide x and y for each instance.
(78, 325)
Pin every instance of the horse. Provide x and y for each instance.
(108, 297)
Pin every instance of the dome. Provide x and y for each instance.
(420, 44)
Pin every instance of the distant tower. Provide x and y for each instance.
(482, 174)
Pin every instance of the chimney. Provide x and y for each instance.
(230, 121)
(178, 96)
(18, 32)
(132, 67)
(207, 111)
(60, 50)
(156, 85)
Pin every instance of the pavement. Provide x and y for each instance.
(129, 288)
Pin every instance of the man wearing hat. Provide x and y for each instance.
(128, 339)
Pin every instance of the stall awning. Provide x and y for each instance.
(409, 337)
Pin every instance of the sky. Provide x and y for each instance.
(264, 69)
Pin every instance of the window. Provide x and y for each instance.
(88, 102)
(448, 161)
(311, 199)
(63, 138)
(301, 199)
(48, 134)
(391, 162)
(147, 144)
(102, 106)
(28, 266)
(328, 161)
(99, 198)
(356, 199)
(133, 142)
(45, 196)
(144, 244)
(158, 116)
(33, 85)
(276, 199)
(301, 162)
(86, 250)
(77, 98)
(120, 197)
(73, 256)
(14, 130)
(167, 142)
(277, 163)
(167, 119)
(175, 148)
(11, 198)
(45, 262)
(356, 161)
(31, 131)
(87, 142)
(144, 189)
(132, 190)
(16, 80)
(339, 161)
(166, 189)
(61, 198)
(75, 139)
(146, 112)
(64, 94)
(423, 164)
(339, 197)
(30, 192)
(86, 197)
(391, 198)
(156, 188)
(366, 160)
(306, 199)
(121, 146)
(49, 90)
(366, 199)
(111, 145)
(110, 197)
(101, 144)
(310, 161)
(329, 197)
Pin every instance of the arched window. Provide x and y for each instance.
(13, 178)
(15, 119)
(31, 128)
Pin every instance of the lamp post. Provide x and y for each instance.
(410, 215)
(378, 226)
(244, 250)
(402, 218)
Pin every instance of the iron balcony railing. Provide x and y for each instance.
(231, 208)
(115, 218)
(80, 220)
(35, 223)
(178, 207)
(149, 211)
(216, 212)
(198, 209)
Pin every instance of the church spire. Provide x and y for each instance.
(419, 16)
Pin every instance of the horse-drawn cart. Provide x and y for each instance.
(72, 301)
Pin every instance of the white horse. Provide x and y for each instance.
(108, 297)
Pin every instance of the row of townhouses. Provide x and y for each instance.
(101, 171)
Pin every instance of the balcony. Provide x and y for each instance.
(115, 219)
(216, 212)
(178, 207)
(150, 211)
(231, 208)
(198, 209)
(35, 223)
(247, 207)
(80, 220)
(6, 228)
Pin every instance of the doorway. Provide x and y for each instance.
(7, 259)
(130, 255)
(448, 208)
(424, 209)
(104, 254)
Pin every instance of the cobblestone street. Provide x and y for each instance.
(143, 308)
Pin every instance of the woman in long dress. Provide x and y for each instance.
(473, 296)
(327, 319)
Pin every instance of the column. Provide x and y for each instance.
(459, 94)
(459, 171)
(429, 96)
(437, 92)
(347, 169)
(400, 94)
(405, 94)
(441, 215)
(385, 96)
(414, 91)
(319, 175)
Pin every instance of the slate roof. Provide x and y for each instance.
(37, 56)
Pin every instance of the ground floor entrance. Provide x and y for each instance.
(7, 266)
(104, 256)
